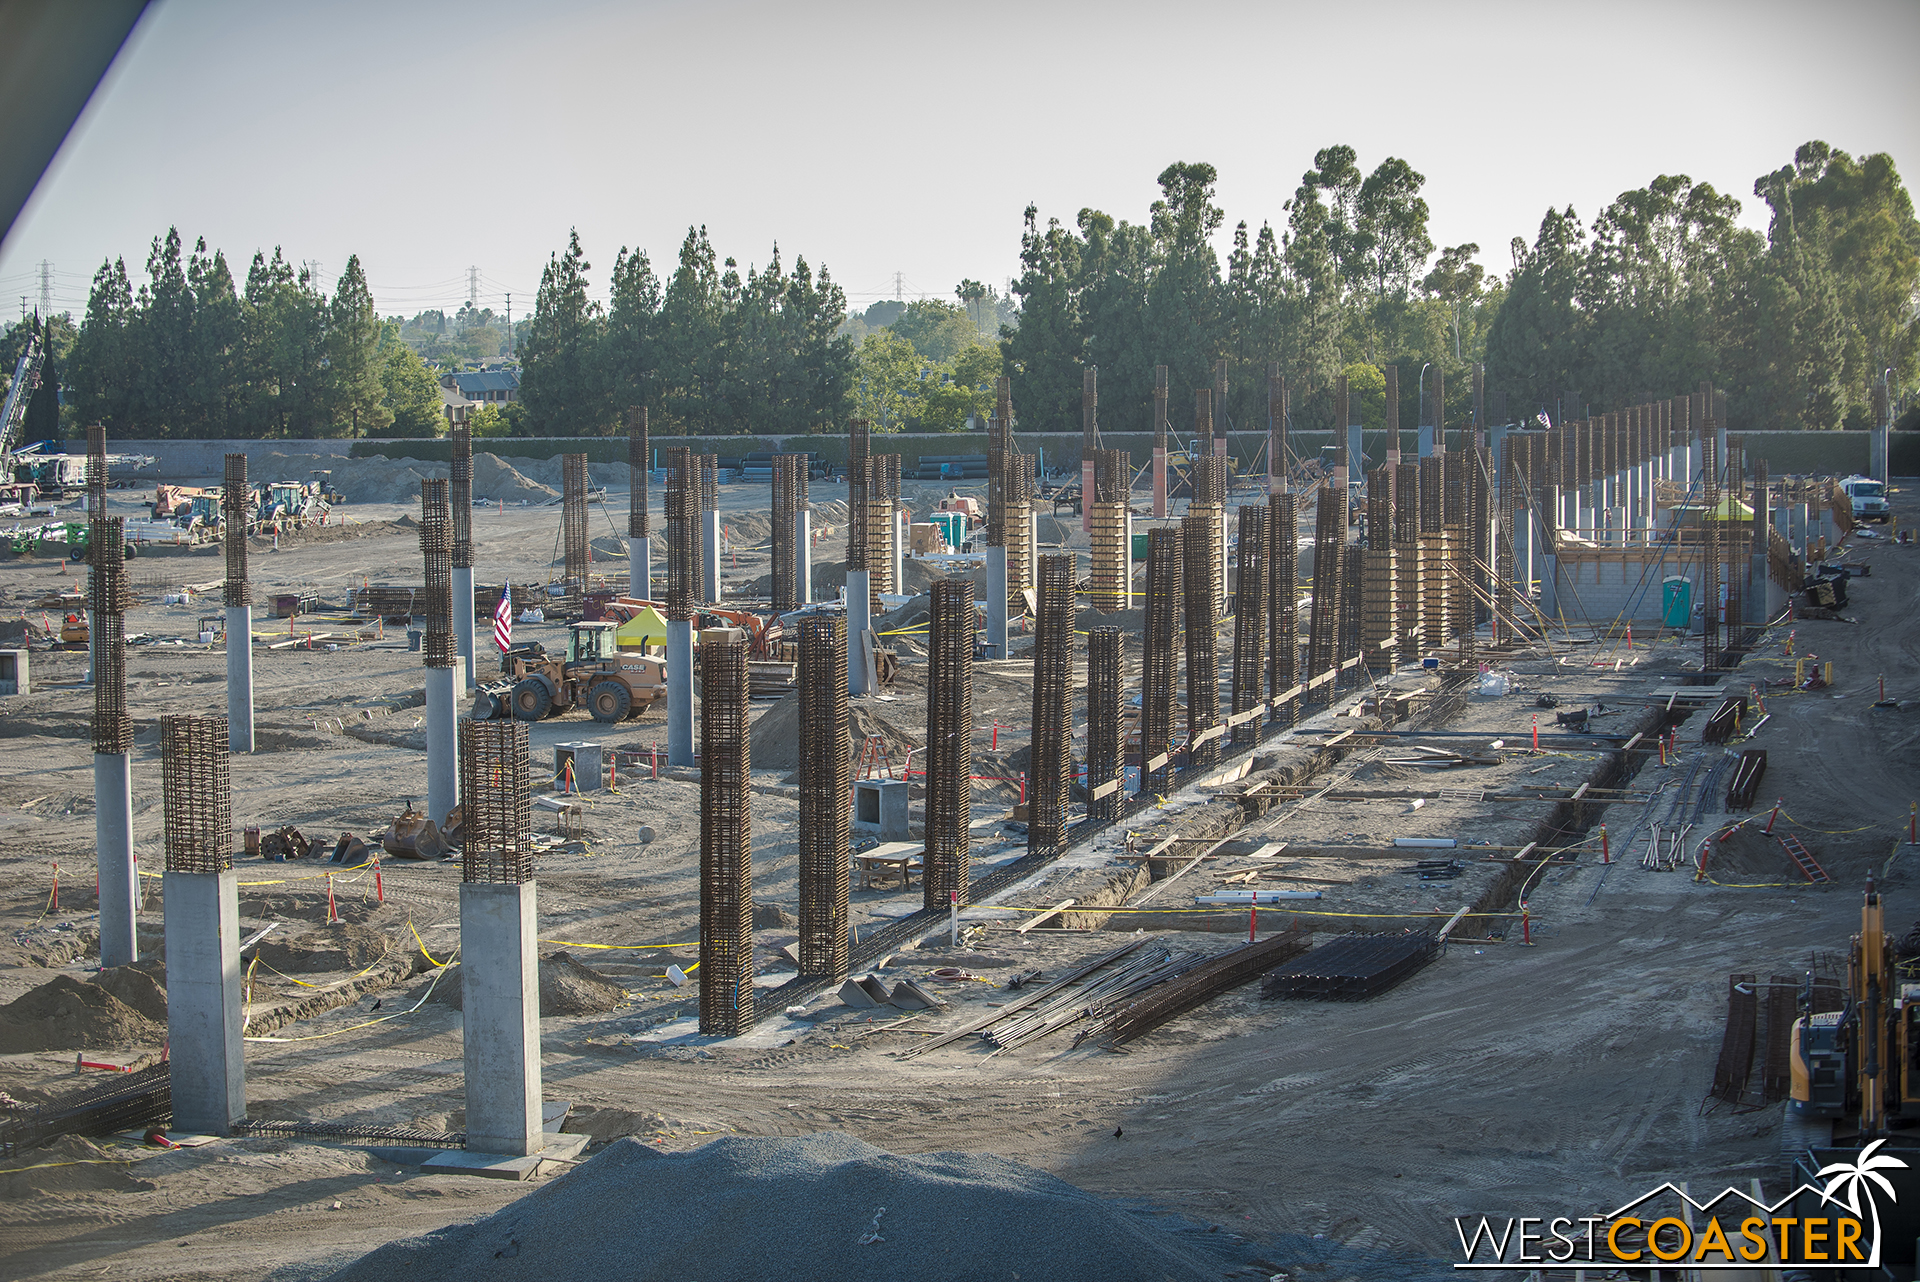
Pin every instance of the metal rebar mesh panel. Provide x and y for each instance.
(196, 794)
(119, 1102)
(785, 583)
(1159, 662)
(1283, 602)
(1103, 722)
(709, 482)
(496, 802)
(460, 496)
(107, 600)
(1019, 532)
(1323, 622)
(573, 520)
(436, 548)
(1250, 620)
(1352, 967)
(859, 447)
(726, 837)
(683, 534)
(96, 471)
(236, 501)
(1052, 755)
(824, 784)
(949, 778)
(1200, 575)
(1352, 598)
(637, 458)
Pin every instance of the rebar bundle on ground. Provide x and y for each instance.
(1283, 602)
(683, 533)
(824, 786)
(1051, 767)
(460, 496)
(637, 460)
(726, 837)
(496, 785)
(949, 778)
(1199, 576)
(573, 520)
(1250, 621)
(1323, 622)
(196, 794)
(236, 503)
(1103, 722)
(1200, 983)
(436, 547)
(107, 599)
(1353, 967)
(1159, 662)
(120, 1102)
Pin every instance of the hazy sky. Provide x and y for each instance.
(877, 139)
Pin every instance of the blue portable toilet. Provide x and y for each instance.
(1676, 601)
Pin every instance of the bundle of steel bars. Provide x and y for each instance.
(1250, 620)
(824, 785)
(496, 793)
(121, 1102)
(1353, 967)
(1199, 984)
(1051, 768)
(726, 837)
(1159, 663)
(1103, 722)
(1095, 997)
(196, 794)
(949, 805)
(436, 546)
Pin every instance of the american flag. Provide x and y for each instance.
(503, 619)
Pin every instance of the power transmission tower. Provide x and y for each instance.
(473, 288)
(899, 286)
(46, 288)
(507, 348)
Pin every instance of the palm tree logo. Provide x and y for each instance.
(1854, 1178)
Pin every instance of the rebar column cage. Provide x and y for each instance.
(883, 524)
(726, 837)
(1019, 524)
(637, 451)
(1323, 621)
(1110, 580)
(859, 444)
(709, 482)
(460, 497)
(1051, 767)
(784, 581)
(1352, 597)
(1283, 603)
(1376, 628)
(1408, 555)
(96, 471)
(949, 777)
(196, 794)
(1709, 446)
(1200, 575)
(1103, 722)
(573, 520)
(436, 548)
(496, 799)
(235, 504)
(1250, 621)
(107, 600)
(1159, 663)
(683, 534)
(1516, 454)
(996, 532)
(825, 769)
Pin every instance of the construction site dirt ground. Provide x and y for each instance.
(1561, 1074)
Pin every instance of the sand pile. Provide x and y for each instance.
(138, 989)
(66, 1014)
(67, 1164)
(775, 739)
(495, 478)
(825, 1207)
(566, 988)
(346, 947)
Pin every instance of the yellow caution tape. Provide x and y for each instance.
(423, 947)
(568, 943)
(1828, 832)
(81, 1161)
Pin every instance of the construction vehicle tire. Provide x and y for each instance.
(609, 701)
(531, 699)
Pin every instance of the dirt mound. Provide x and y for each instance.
(345, 947)
(868, 1214)
(775, 740)
(1745, 853)
(137, 989)
(66, 1014)
(566, 988)
(69, 1164)
(495, 478)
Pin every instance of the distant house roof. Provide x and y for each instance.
(489, 381)
(451, 397)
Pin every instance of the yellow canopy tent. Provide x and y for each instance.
(647, 628)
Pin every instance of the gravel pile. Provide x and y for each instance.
(826, 1207)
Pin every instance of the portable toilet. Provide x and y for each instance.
(1676, 601)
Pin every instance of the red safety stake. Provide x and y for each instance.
(333, 913)
(1606, 853)
(1777, 803)
(1253, 915)
(1526, 924)
(1536, 732)
(379, 888)
(1023, 787)
(53, 905)
(1629, 636)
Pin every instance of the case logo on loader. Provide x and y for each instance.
(1666, 1228)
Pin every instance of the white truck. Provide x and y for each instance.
(1869, 499)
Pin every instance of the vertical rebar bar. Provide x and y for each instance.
(824, 783)
(948, 862)
(726, 837)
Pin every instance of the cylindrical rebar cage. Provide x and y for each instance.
(460, 496)
(683, 534)
(1103, 723)
(1200, 576)
(496, 798)
(96, 471)
(1250, 621)
(637, 461)
(107, 600)
(726, 837)
(858, 444)
(825, 767)
(1051, 767)
(1323, 622)
(573, 521)
(1283, 603)
(236, 505)
(949, 777)
(196, 794)
(436, 549)
(1160, 660)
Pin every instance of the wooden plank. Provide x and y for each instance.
(1579, 792)
(1111, 785)
(1030, 923)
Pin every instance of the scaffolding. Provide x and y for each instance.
(196, 794)
(726, 837)
(496, 792)
(824, 788)
(949, 777)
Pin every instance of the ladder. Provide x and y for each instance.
(875, 755)
(1803, 858)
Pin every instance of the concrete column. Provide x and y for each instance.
(500, 1017)
(1523, 550)
(1160, 481)
(996, 602)
(710, 551)
(113, 842)
(444, 686)
(859, 623)
(640, 568)
(1086, 494)
(679, 692)
(1550, 587)
(207, 1059)
(1426, 440)
(463, 621)
(1877, 456)
(902, 535)
(803, 556)
(1356, 455)
(240, 678)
